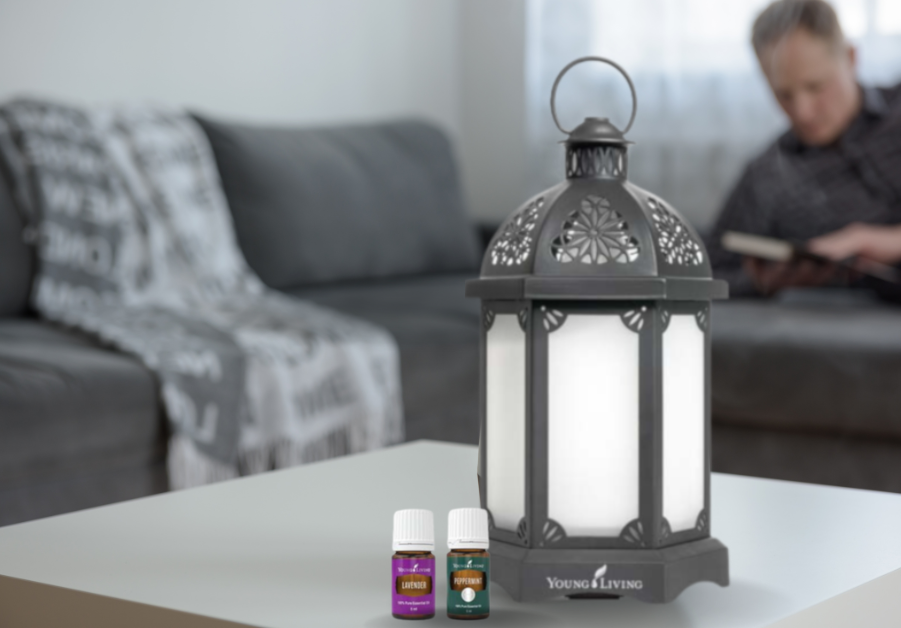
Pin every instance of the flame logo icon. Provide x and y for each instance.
(598, 575)
(415, 567)
(469, 563)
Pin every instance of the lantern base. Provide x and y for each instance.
(650, 575)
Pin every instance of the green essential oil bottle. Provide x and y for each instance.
(467, 563)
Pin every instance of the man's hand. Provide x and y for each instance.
(881, 243)
(771, 277)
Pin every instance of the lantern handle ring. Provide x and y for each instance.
(602, 60)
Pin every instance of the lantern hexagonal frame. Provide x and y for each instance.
(598, 253)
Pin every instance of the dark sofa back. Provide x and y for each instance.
(16, 258)
(356, 202)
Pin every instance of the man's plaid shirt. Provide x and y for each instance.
(798, 192)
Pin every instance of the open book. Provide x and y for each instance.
(784, 251)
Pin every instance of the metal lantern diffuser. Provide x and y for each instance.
(595, 423)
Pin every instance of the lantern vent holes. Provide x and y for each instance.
(522, 531)
(702, 524)
(634, 319)
(587, 161)
(523, 317)
(702, 318)
(665, 530)
(487, 318)
(512, 248)
(678, 246)
(665, 317)
(633, 533)
(595, 234)
(551, 533)
(553, 319)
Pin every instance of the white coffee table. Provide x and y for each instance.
(311, 546)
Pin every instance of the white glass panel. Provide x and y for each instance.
(506, 421)
(683, 422)
(593, 425)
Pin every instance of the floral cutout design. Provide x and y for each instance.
(665, 316)
(675, 241)
(512, 248)
(595, 234)
(634, 319)
(702, 524)
(665, 530)
(551, 533)
(553, 319)
(523, 317)
(487, 317)
(633, 533)
(522, 531)
(702, 319)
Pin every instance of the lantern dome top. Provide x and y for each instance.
(596, 235)
(597, 131)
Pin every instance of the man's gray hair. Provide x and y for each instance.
(783, 17)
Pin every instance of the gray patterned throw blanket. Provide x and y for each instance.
(136, 247)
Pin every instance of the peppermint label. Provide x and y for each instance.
(467, 580)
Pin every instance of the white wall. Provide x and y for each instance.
(310, 61)
(494, 153)
(459, 63)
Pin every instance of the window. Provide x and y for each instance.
(704, 109)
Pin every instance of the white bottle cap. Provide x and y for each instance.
(467, 528)
(414, 531)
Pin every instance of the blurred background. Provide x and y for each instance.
(482, 69)
(386, 222)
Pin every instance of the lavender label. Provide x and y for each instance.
(413, 592)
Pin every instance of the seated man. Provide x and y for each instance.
(834, 179)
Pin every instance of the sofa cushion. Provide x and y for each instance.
(808, 364)
(331, 204)
(68, 405)
(16, 258)
(437, 331)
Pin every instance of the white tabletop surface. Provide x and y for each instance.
(311, 546)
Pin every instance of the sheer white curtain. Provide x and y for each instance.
(703, 109)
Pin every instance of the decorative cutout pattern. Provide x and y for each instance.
(553, 319)
(634, 319)
(665, 530)
(523, 317)
(515, 243)
(702, 524)
(595, 234)
(633, 533)
(551, 533)
(702, 318)
(595, 161)
(487, 318)
(675, 241)
(665, 316)
(522, 531)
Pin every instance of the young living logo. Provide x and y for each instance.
(462, 565)
(412, 569)
(598, 582)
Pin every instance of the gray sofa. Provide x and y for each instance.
(369, 220)
(807, 387)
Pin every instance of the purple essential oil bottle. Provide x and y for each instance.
(413, 565)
